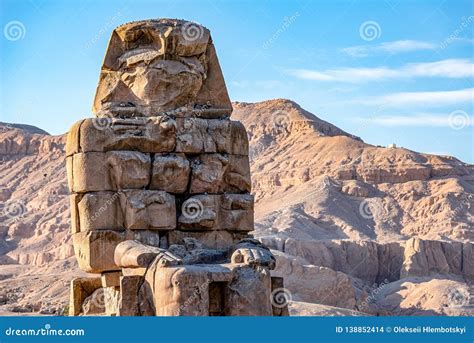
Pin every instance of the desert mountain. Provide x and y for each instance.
(309, 172)
(357, 229)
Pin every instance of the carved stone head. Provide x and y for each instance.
(157, 66)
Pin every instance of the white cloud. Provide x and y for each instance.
(419, 119)
(450, 68)
(454, 68)
(430, 99)
(464, 40)
(394, 47)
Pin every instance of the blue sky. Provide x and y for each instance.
(388, 71)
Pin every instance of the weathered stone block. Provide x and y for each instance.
(237, 177)
(148, 210)
(192, 135)
(199, 211)
(191, 290)
(279, 306)
(73, 136)
(249, 292)
(111, 279)
(236, 212)
(111, 300)
(219, 173)
(69, 172)
(128, 169)
(208, 173)
(184, 290)
(134, 302)
(131, 254)
(239, 139)
(468, 261)
(209, 239)
(233, 212)
(99, 211)
(75, 223)
(197, 135)
(170, 173)
(148, 237)
(113, 170)
(80, 289)
(151, 135)
(94, 305)
(89, 172)
(94, 250)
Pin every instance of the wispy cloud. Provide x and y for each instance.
(431, 99)
(395, 47)
(415, 120)
(450, 68)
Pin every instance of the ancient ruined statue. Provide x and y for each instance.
(160, 182)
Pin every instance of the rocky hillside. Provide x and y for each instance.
(35, 249)
(326, 184)
(357, 229)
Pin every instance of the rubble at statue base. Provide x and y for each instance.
(160, 182)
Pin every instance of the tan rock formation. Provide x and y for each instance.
(155, 174)
(300, 202)
(157, 66)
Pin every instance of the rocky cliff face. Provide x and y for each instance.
(308, 171)
(357, 229)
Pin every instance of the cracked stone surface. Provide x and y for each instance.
(158, 170)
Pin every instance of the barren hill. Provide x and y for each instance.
(317, 174)
(345, 218)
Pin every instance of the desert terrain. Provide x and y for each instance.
(357, 229)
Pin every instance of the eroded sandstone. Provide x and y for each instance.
(160, 182)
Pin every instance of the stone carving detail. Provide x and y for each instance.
(160, 184)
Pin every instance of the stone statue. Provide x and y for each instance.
(160, 182)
